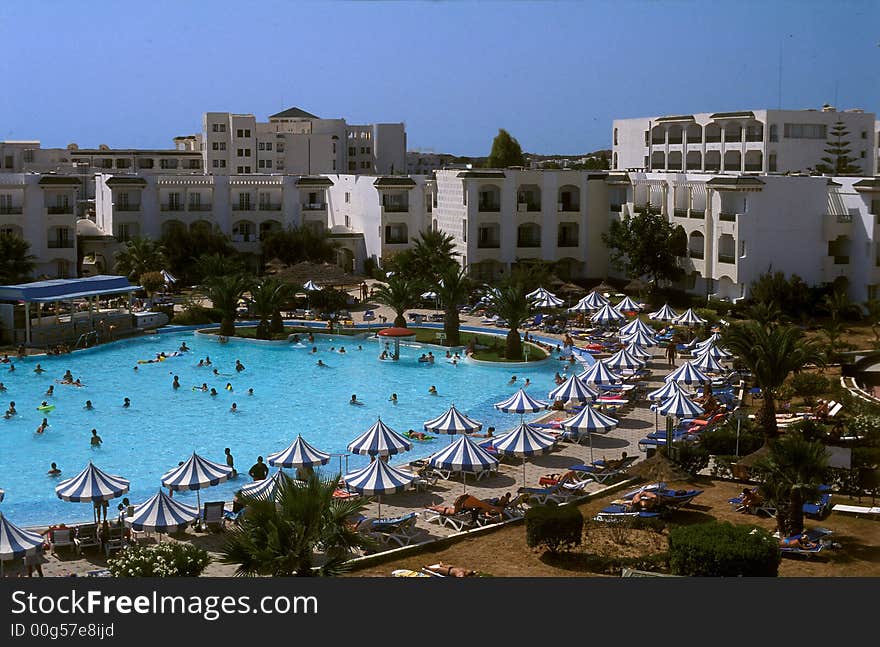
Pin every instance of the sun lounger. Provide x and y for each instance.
(459, 520)
(856, 509)
(560, 493)
(399, 530)
(61, 538)
(619, 512)
(667, 498)
(819, 509)
(87, 537)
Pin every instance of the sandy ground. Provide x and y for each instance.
(503, 552)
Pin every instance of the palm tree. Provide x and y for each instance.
(771, 354)
(224, 293)
(16, 264)
(268, 296)
(209, 265)
(139, 256)
(280, 537)
(511, 304)
(399, 294)
(873, 307)
(790, 475)
(431, 254)
(453, 289)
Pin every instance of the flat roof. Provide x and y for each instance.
(65, 289)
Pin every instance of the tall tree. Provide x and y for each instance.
(297, 244)
(506, 151)
(399, 293)
(453, 289)
(207, 266)
(790, 295)
(183, 248)
(16, 263)
(790, 476)
(771, 354)
(224, 293)
(281, 536)
(646, 245)
(268, 296)
(433, 252)
(511, 304)
(838, 161)
(139, 256)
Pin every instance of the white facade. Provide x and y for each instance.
(42, 210)
(501, 217)
(760, 141)
(296, 142)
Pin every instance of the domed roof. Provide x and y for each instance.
(85, 227)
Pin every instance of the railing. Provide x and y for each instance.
(675, 140)
(391, 208)
(533, 206)
(695, 139)
(692, 166)
(566, 242)
(528, 243)
(681, 213)
(755, 138)
(128, 207)
(245, 238)
(489, 208)
(171, 207)
(60, 210)
(696, 253)
(243, 207)
(713, 167)
(841, 260)
(724, 258)
(320, 206)
(396, 241)
(672, 166)
(727, 216)
(713, 139)
(566, 206)
(60, 244)
(698, 213)
(489, 244)
(841, 217)
(658, 142)
(265, 206)
(199, 207)
(732, 137)
(753, 167)
(6, 211)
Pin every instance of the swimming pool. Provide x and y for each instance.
(163, 426)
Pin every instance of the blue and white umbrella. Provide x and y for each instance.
(664, 392)
(595, 300)
(2, 494)
(430, 294)
(573, 390)
(634, 326)
(524, 441)
(582, 306)
(639, 351)
(639, 337)
(714, 338)
(452, 422)
(664, 314)
(687, 373)
(624, 360)
(627, 305)
(196, 473)
(378, 478)
(548, 301)
(540, 293)
(680, 406)
(267, 487)
(465, 456)
(708, 364)
(590, 421)
(713, 351)
(607, 315)
(16, 542)
(379, 440)
(688, 318)
(311, 286)
(599, 373)
(298, 454)
(161, 513)
(521, 403)
(92, 484)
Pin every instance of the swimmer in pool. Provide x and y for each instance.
(2, 387)
(176, 383)
(54, 471)
(204, 387)
(393, 398)
(96, 439)
(50, 391)
(321, 364)
(213, 391)
(314, 349)
(43, 426)
(11, 410)
(68, 376)
(39, 369)
(216, 372)
(239, 366)
(201, 363)
(126, 403)
(433, 390)
(207, 361)
(527, 383)
(512, 380)
(360, 347)
(183, 348)
(342, 349)
(250, 391)
(88, 406)
(228, 386)
(233, 408)
(354, 399)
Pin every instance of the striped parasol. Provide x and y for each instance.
(378, 478)
(688, 318)
(195, 474)
(680, 406)
(634, 326)
(714, 338)
(664, 314)
(521, 402)
(627, 305)
(311, 286)
(665, 392)
(607, 315)
(524, 441)
(161, 513)
(573, 390)
(379, 440)
(16, 542)
(549, 301)
(713, 351)
(708, 364)
(623, 359)
(452, 422)
(298, 454)
(595, 300)
(590, 421)
(267, 487)
(687, 373)
(465, 456)
(639, 337)
(92, 484)
(582, 306)
(637, 350)
(599, 373)
(540, 293)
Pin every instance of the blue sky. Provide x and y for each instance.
(135, 74)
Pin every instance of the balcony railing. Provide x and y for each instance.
(615, 208)
(489, 244)
(266, 206)
(389, 208)
(755, 138)
(713, 139)
(730, 137)
(693, 166)
(675, 140)
(695, 253)
(727, 216)
(841, 260)
(695, 139)
(60, 210)
(60, 244)
(171, 207)
(489, 207)
(533, 206)
(658, 142)
(245, 238)
(128, 207)
(8, 211)
(698, 213)
(754, 168)
(566, 242)
(199, 207)
(243, 207)
(841, 217)
(681, 213)
(396, 241)
(528, 243)
(713, 167)
(656, 211)
(724, 258)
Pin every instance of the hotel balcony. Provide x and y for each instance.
(567, 242)
(727, 216)
(270, 207)
(60, 244)
(199, 207)
(727, 258)
(66, 210)
(837, 225)
(528, 242)
(680, 213)
(171, 207)
(489, 244)
(489, 207)
(390, 207)
(243, 207)
(322, 206)
(10, 211)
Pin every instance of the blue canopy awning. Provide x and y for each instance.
(66, 289)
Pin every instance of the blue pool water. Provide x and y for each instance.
(163, 427)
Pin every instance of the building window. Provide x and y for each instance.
(774, 133)
(215, 164)
(261, 146)
(334, 148)
(239, 169)
(352, 166)
(615, 136)
(167, 163)
(247, 152)
(215, 146)
(173, 201)
(222, 163)
(347, 197)
(268, 146)
(239, 132)
(348, 222)
(123, 163)
(464, 230)
(247, 169)
(123, 200)
(864, 134)
(352, 151)
(195, 201)
(247, 132)
(805, 131)
(244, 201)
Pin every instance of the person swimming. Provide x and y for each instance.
(342, 349)
(512, 380)
(228, 386)
(213, 391)
(11, 410)
(314, 349)
(43, 426)
(239, 366)
(527, 382)
(354, 399)
(68, 376)
(233, 408)
(39, 369)
(321, 364)
(393, 398)
(183, 348)
(176, 383)
(126, 403)
(216, 372)
(54, 471)
(250, 391)
(433, 390)
(3, 387)
(88, 406)
(96, 439)
(207, 361)
(201, 363)
(50, 391)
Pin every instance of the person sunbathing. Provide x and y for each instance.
(645, 500)
(801, 542)
(456, 507)
(449, 571)
(750, 500)
(473, 503)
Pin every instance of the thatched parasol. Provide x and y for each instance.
(570, 288)
(636, 285)
(603, 287)
(275, 265)
(322, 274)
(742, 468)
(658, 468)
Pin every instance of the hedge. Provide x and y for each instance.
(554, 527)
(723, 550)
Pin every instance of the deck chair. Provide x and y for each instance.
(819, 509)
(115, 540)
(617, 512)
(62, 537)
(213, 517)
(399, 530)
(856, 509)
(87, 537)
(459, 521)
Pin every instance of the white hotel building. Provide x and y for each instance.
(747, 141)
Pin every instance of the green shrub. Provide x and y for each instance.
(196, 316)
(721, 308)
(722, 440)
(554, 527)
(709, 315)
(170, 559)
(809, 385)
(692, 458)
(723, 550)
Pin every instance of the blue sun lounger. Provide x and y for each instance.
(620, 512)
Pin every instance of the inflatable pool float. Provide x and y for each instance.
(408, 572)
(47, 407)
